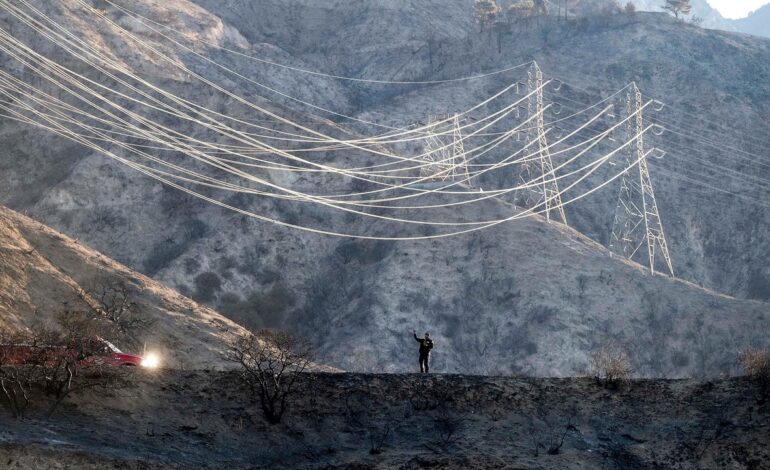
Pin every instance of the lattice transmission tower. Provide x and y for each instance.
(445, 161)
(542, 166)
(436, 155)
(637, 221)
(459, 162)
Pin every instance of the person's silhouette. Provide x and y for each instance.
(426, 344)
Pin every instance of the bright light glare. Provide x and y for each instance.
(736, 8)
(151, 361)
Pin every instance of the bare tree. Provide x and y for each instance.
(16, 384)
(16, 380)
(68, 364)
(55, 362)
(271, 363)
(678, 7)
(113, 302)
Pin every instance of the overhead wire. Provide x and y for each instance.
(143, 44)
(398, 170)
(503, 162)
(317, 73)
(302, 196)
(526, 213)
(123, 70)
(714, 182)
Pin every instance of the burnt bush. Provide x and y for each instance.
(16, 380)
(56, 363)
(166, 251)
(113, 301)
(207, 284)
(758, 286)
(161, 255)
(364, 251)
(610, 366)
(756, 364)
(271, 362)
(548, 429)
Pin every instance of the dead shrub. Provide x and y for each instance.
(447, 426)
(549, 433)
(610, 367)
(66, 349)
(378, 436)
(112, 301)
(271, 363)
(17, 381)
(756, 364)
(55, 363)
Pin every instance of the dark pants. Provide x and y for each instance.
(424, 360)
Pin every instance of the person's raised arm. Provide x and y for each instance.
(414, 332)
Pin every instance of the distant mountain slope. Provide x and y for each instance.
(712, 19)
(524, 296)
(43, 273)
(529, 297)
(757, 23)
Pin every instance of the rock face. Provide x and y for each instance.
(525, 296)
(44, 273)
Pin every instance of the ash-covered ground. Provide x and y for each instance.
(205, 419)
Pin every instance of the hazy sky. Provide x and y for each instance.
(736, 8)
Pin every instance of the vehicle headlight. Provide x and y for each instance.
(151, 361)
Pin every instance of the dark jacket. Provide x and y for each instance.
(426, 344)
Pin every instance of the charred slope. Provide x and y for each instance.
(525, 297)
(203, 419)
(520, 297)
(714, 84)
(44, 273)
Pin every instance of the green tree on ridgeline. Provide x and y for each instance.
(485, 12)
(678, 7)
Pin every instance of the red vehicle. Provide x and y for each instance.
(86, 352)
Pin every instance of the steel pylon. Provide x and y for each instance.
(546, 191)
(637, 223)
(445, 161)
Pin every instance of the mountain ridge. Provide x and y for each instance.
(523, 297)
(44, 273)
(757, 22)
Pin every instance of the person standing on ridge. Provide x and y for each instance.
(426, 344)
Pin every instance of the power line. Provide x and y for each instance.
(145, 20)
